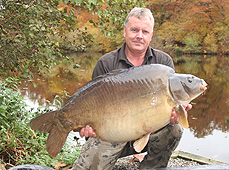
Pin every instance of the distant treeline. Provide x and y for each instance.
(181, 26)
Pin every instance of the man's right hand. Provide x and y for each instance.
(88, 131)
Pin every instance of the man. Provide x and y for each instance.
(97, 154)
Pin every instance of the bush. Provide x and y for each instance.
(19, 144)
(192, 43)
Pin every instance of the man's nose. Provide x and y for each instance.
(139, 35)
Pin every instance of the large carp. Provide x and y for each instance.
(121, 106)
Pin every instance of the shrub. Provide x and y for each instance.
(19, 144)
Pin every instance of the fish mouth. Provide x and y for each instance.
(203, 85)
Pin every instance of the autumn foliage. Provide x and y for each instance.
(187, 26)
(193, 26)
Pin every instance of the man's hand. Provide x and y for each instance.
(174, 115)
(88, 131)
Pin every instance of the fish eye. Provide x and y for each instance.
(189, 79)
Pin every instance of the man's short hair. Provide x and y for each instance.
(140, 13)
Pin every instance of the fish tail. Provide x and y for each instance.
(46, 123)
(55, 141)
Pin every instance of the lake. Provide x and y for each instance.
(208, 134)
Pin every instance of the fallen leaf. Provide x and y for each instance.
(59, 165)
(138, 157)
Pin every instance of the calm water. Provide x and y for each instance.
(208, 134)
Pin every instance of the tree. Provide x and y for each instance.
(31, 31)
(28, 31)
(177, 21)
(203, 18)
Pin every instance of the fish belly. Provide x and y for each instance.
(133, 119)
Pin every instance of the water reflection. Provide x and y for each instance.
(211, 110)
(62, 78)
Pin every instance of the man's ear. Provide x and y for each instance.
(124, 31)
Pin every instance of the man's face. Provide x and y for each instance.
(138, 34)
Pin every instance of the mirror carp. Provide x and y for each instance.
(122, 106)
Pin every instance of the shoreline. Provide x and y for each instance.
(178, 159)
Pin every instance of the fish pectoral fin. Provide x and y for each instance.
(182, 115)
(141, 143)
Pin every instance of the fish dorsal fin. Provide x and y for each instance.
(141, 143)
(182, 115)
